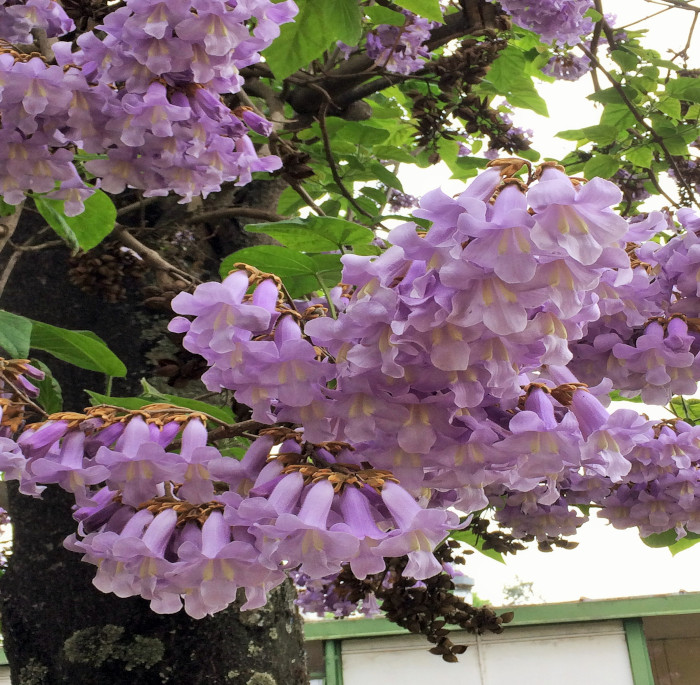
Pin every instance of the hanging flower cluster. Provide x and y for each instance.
(467, 368)
(562, 21)
(143, 92)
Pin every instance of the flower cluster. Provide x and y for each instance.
(563, 21)
(143, 94)
(468, 367)
(19, 17)
(567, 66)
(167, 517)
(456, 364)
(400, 49)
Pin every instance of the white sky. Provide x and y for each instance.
(608, 562)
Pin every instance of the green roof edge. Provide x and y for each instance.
(535, 614)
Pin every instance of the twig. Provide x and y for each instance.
(227, 212)
(299, 189)
(237, 429)
(331, 162)
(8, 224)
(27, 247)
(677, 3)
(684, 52)
(136, 206)
(657, 185)
(594, 43)
(640, 118)
(639, 21)
(149, 255)
(8, 269)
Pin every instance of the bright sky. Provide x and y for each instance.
(607, 563)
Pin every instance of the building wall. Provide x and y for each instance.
(573, 653)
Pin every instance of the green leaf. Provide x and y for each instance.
(594, 15)
(383, 15)
(604, 166)
(15, 334)
(124, 402)
(318, 24)
(601, 134)
(96, 222)
(385, 176)
(660, 539)
(86, 230)
(299, 272)
(640, 156)
(152, 394)
(477, 543)
(430, 9)
(684, 88)
(684, 543)
(6, 209)
(616, 397)
(670, 106)
(627, 60)
(52, 211)
(316, 233)
(50, 396)
(617, 116)
(528, 98)
(328, 268)
(575, 134)
(76, 348)
(508, 76)
(687, 409)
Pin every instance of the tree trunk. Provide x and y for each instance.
(58, 628)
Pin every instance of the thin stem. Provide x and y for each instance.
(108, 386)
(331, 161)
(331, 307)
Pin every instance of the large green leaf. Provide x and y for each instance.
(316, 233)
(77, 348)
(508, 76)
(124, 402)
(15, 334)
(299, 272)
(152, 395)
(85, 230)
(430, 9)
(604, 166)
(388, 178)
(383, 15)
(318, 25)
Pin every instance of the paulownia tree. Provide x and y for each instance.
(345, 395)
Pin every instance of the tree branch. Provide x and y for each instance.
(227, 212)
(149, 255)
(640, 118)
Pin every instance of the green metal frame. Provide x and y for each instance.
(567, 612)
(629, 610)
(638, 652)
(333, 662)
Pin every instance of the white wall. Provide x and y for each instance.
(574, 653)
